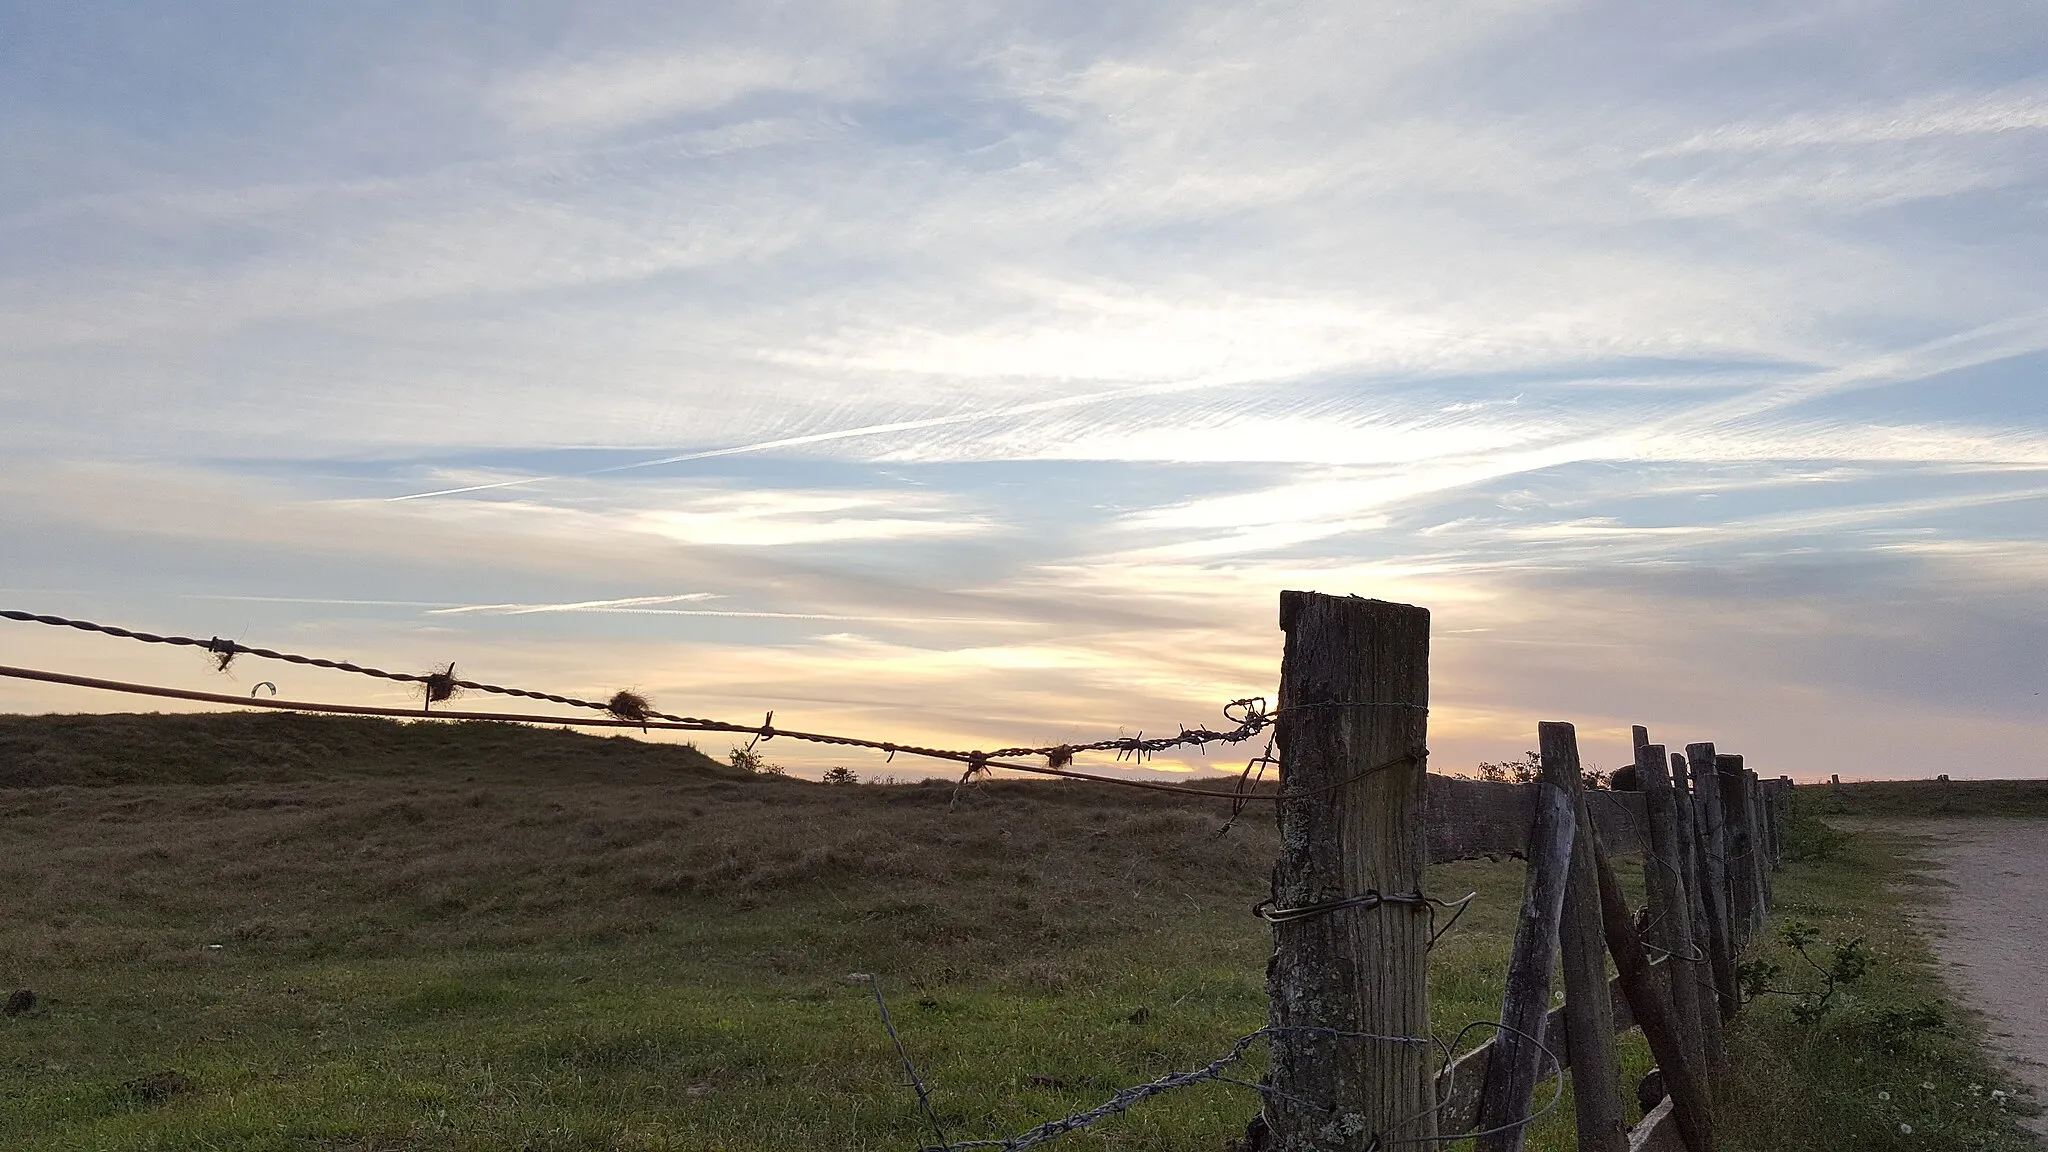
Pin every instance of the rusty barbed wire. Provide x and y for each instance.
(1248, 716)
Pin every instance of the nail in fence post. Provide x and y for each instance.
(1670, 928)
(1351, 823)
(1582, 952)
(1518, 1059)
(1705, 974)
(1706, 789)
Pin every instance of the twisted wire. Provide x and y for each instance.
(1249, 716)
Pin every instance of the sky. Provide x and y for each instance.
(980, 373)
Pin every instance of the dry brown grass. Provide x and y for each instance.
(297, 849)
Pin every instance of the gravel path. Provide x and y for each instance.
(1993, 932)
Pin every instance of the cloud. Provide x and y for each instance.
(619, 91)
(995, 367)
(1944, 115)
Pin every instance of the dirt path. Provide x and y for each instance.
(1991, 930)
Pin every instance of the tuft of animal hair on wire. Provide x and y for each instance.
(629, 705)
(440, 684)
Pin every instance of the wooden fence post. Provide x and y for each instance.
(1767, 814)
(1705, 974)
(1713, 827)
(1670, 927)
(1354, 690)
(1746, 893)
(1518, 1051)
(1582, 951)
(1766, 840)
(1781, 817)
(1652, 1010)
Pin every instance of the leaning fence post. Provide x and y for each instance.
(1519, 1059)
(1705, 975)
(1582, 953)
(1706, 789)
(1652, 1011)
(1351, 1062)
(1670, 928)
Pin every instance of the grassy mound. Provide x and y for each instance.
(221, 748)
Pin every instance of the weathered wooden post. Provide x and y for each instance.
(1706, 788)
(1767, 811)
(1518, 1050)
(1351, 1065)
(1766, 850)
(1652, 1011)
(1670, 926)
(1746, 902)
(1705, 973)
(1781, 818)
(1582, 952)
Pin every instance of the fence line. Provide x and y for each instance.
(1249, 716)
(1356, 806)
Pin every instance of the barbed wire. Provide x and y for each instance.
(924, 1097)
(1124, 1099)
(1248, 716)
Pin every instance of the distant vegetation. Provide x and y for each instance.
(1923, 798)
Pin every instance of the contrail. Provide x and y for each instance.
(576, 606)
(821, 437)
(765, 615)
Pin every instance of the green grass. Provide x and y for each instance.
(474, 937)
(1894, 1064)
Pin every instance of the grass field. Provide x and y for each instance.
(366, 936)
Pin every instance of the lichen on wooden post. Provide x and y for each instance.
(1352, 732)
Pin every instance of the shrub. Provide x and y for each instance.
(748, 760)
(1521, 771)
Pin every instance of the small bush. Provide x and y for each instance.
(1521, 771)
